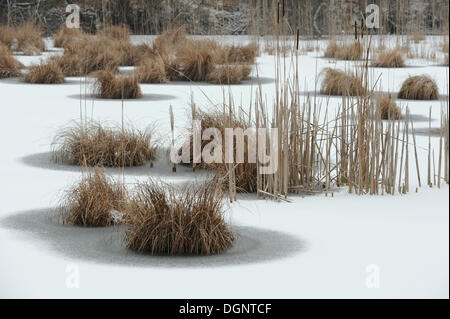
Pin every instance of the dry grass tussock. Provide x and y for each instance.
(237, 54)
(164, 220)
(66, 36)
(245, 173)
(345, 51)
(91, 202)
(337, 82)
(26, 38)
(389, 59)
(118, 32)
(111, 86)
(229, 74)
(419, 87)
(152, 70)
(29, 39)
(94, 144)
(47, 73)
(196, 59)
(7, 36)
(9, 67)
(417, 37)
(387, 107)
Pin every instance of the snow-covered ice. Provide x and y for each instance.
(314, 247)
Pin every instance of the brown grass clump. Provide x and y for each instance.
(118, 32)
(111, 86)
(229, 74)
(163, 220)
(389, 59)
(349, 52)
(166, 43)
(29, 39)
(337, 82)
(91, 202)
(152, 70)
(9, 67)
(417, 37)
(7, 36)
(93, 144)
(196, 60)
(419, 87)
(245, 173)
(48, 73)
(238, 54)
(388, 108)
(70, 64)
(66, 36)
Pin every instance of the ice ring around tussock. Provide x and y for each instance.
(106, 246)
(161, 167)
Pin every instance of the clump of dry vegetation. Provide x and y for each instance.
(244, 172)
(229, 74)
(237, 54)
(66, 36)
(419, 87)
(387, 107)
(47, 73)
(93, 144)
(111, 86)
(389, 59)
(91, 202)
(164, 220)
(29, 39)
(9, 67)
(337, 82)
(196, 60)
(349, 52)
(152, 70)
(7, 36)
(417, 37)
(118, 32)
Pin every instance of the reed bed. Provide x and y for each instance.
(46, 73)
(94, 144)
(420, 87)
(92, 201)
(9, 66)
(111, 86)
(164, 220)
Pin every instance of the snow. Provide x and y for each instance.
(314, 247)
